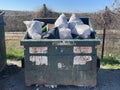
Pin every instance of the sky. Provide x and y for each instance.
(56, 5)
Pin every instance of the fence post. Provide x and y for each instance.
(103, 41)
(107, 21)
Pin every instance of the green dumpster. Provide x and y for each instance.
(60, 61)
(2, 43)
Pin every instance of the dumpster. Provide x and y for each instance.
(60, 61)
(2, 43)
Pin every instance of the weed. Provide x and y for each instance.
(110, 63)
(14, 50)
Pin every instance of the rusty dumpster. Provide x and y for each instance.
(60, 61)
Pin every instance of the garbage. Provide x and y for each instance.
(57, 33)
(84, 31)
(74, 20)
(78, 28)
(61, 21)
(51, 86)
(62, 29)
(34, 29)
(62, 24)
(51, 34)
(44, 29)
(65, 33)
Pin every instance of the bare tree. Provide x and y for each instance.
(116, 6)
(45, 12)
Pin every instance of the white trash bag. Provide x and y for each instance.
(34, 29)
(62, 24)
(61, 21)
(65, 33)
(83, 30)
(74, 20)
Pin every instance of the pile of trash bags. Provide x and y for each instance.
(63, 29)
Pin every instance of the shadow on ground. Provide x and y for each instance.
(12, 78)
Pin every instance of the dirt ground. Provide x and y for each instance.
(12, 78)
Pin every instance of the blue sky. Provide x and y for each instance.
(56, 5)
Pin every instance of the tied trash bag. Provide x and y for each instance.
(34, 29)
(61, 33)
(84, 31)
(79, 30)
(74, 20)
(61, 21)
(64, 31)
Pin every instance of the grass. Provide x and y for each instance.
(110, 63)
(13, 50)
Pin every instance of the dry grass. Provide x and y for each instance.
(112, 43)
(14, 50)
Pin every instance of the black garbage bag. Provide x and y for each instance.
(92, 35)
(51, 34)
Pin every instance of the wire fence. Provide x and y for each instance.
(112, 43)
(108, 20)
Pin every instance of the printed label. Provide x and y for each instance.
(82, 49)
(81, 60)
(38, 49)
(39, 60)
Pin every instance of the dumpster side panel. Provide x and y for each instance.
(56, 66)
(60, 61)
(2, 44)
